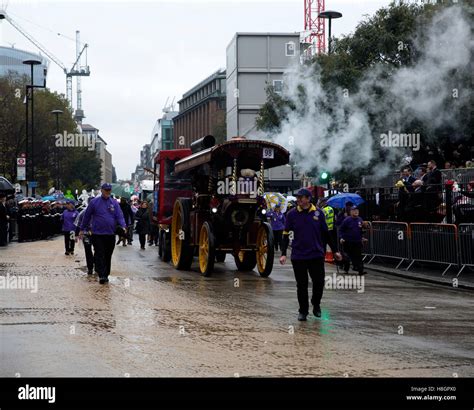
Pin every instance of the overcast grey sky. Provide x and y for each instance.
(140, 53)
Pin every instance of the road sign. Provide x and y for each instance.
(33, 184)
(21, 173)
(21, 162)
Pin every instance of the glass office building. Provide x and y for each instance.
(11, 63)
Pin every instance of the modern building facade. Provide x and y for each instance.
(11, 63)
(106, 167)
(201, 111)
(255, 61)
(162, 137)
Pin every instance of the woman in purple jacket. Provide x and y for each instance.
(68, 218)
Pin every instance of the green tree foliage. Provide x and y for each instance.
(79, 167)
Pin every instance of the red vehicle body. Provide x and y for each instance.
(167, 188)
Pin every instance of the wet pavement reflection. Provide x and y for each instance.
(152, 320)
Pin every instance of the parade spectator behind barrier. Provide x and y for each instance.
(310, 237)
(143, 223)
(4, 220)
(463, 205)
(104, 216)
(128, 216)
(402, 200)
(351, 240)
(86, 241)
(277, 221)
(407, 178)
(415, 210)
(68, 228)
(423, 175)
(433, 190)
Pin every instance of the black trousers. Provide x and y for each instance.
(315, 269)
(104, 246)
(68, 242)
(354, 251)
(86, 241)
(3, 233)
(142, 238)
(277, 238)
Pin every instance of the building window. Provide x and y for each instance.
(278, 86)
(290, 49)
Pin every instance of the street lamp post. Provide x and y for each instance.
(328, 14)
(56, 150)
(32, 63)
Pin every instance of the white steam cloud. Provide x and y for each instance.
(342, 136)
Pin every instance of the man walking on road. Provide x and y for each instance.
(86, 241)
(68, 218)
(310, 235)
(106, 215)
(351, 240)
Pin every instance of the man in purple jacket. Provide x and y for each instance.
(103, 215)
(68, 218)
(350, 233)
(307, 225)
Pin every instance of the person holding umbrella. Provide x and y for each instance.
(310, 235)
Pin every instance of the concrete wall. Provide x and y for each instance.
(254, 61)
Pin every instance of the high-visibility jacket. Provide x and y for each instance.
(329, 215)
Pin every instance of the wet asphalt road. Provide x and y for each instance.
(152, 320)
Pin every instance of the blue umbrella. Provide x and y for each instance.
(339, 200)
(49, 198)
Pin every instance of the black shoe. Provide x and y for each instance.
(103, 280)
(66, 253)
(302, 317)
(142, 247)
(317, 311)
(118, 242)
(89, 272)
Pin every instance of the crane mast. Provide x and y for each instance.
(77, 69)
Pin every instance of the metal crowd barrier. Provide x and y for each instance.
(390, 239)
(434, 243)
(367, 245)
(466, 245)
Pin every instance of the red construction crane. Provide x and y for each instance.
(315, 27)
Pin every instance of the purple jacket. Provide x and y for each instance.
(351, 229)
(106, 215)
(68, 217)
(310, 233)
(277, 220)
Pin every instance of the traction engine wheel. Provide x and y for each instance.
(207, 249)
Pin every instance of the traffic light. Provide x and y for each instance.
(324, 177)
